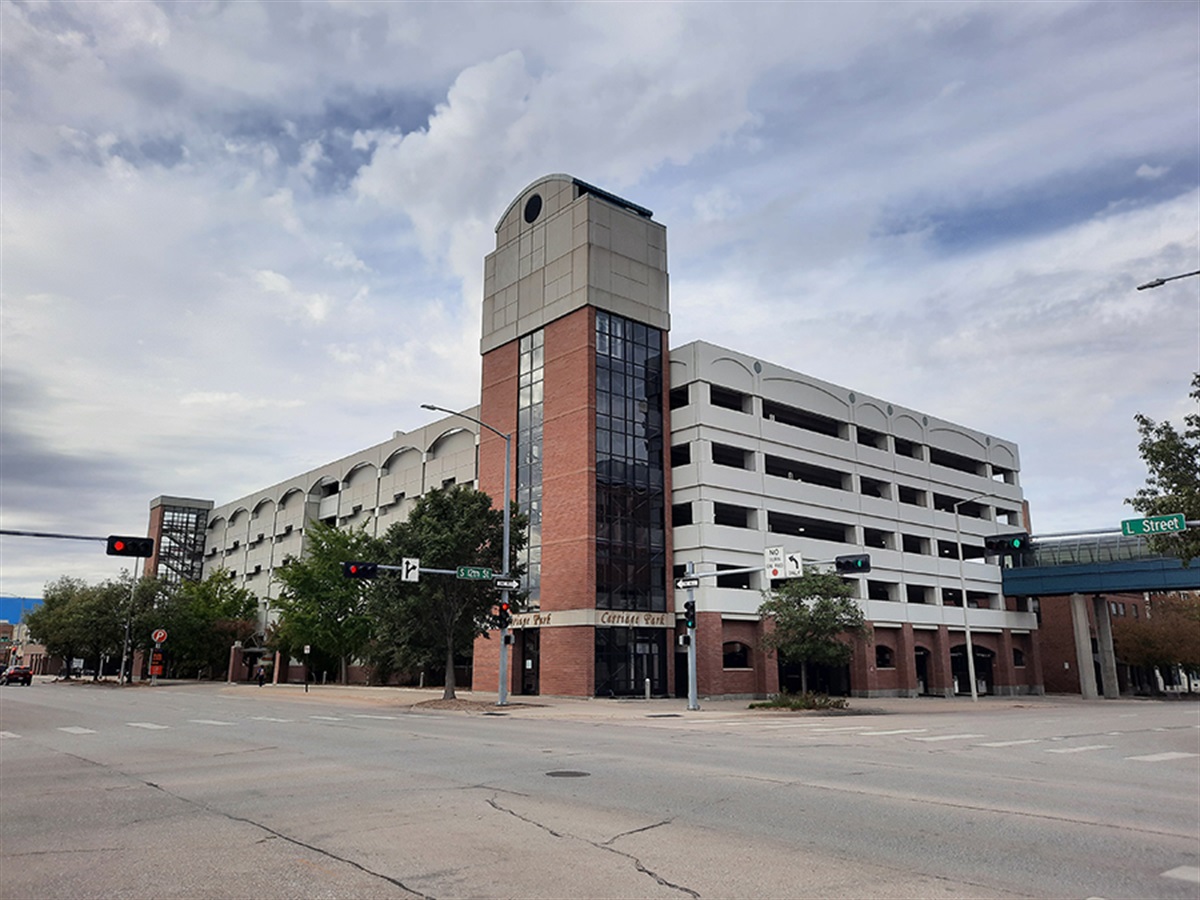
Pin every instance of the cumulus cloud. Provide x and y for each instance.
(243, 239)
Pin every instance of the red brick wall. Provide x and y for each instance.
(568, 467)
(568, 661)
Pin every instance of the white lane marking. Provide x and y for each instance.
(893, 731)
(1162, 757)
(1081, 749)
(365, 716)
(269, 719)
(950, 737)
(1184, 873)
(208, 722)
(1010, 743)
(147, 725)
(327, 718)
(5, 735)
(801, 725)
(836, 730)
(75, 729)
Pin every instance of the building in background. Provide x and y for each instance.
(633, 460)
(179, 528)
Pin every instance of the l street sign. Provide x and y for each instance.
(474, 573)
(1155, 525)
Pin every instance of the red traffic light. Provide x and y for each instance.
(121, 545)
(360, 569)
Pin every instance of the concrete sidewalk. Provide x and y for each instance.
(484, 702)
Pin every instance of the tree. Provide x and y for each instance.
(1173, 484)
(811, 616)
(203, 618)
(55, 623)
(320, 606)
(1169, 636)
(440, 616)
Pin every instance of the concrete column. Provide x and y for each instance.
(1104, 642)
(1083, 647)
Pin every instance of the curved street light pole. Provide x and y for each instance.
(1159, 282)
(502, 691)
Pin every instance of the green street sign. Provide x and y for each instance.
(474, 573)
(1155, 525)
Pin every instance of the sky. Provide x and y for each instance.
(239, 240)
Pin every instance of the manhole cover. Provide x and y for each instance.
(567, 773)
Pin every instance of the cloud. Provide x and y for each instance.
(243, 239)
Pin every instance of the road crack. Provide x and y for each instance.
(606, 845)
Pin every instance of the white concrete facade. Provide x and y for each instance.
(373, 488)
(876, 477)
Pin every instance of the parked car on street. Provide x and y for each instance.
(19, 674)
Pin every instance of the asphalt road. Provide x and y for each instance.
(211, 791)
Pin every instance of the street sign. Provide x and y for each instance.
(410, 569)
(773, 562)
(1155, 525)
(686, 583)
(793, 565)
(159, 635)
(474, 573)
(506, 584)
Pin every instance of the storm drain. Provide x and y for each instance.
(567, 773)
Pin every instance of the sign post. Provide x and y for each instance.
(1155, 525)
(156, 655)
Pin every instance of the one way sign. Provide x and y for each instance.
(410, 569)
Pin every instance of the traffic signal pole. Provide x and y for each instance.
(693, 690)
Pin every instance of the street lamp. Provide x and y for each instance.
(962, 587)
(502, 692)
(1159, 282)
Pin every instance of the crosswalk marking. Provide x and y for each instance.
(893, 731)
(1009, 743)
(327, 718)
(366, 716)
(76, 729)
(1081, 749)
(950, 737)
(208, 722)
(1184, 873)
(269, 719)
(1162, 757)
(147, 725)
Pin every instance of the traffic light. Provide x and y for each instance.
(360, 569)
(853, 563)
(689, 613)
(120, 545)
(504, 616)
(1006, 544)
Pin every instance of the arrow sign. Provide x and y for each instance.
(506, 584)
(685, 583)
(410, 569)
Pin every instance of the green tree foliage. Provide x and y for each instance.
(812, 615)
(1169, 636)
(56, 623)
(318, 605)
(203, 619)
(1173, 484)
(438, 618)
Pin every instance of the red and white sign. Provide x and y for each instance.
(159, 635)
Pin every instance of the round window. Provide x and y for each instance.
(533, 208)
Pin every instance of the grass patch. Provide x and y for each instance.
(802, 701)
